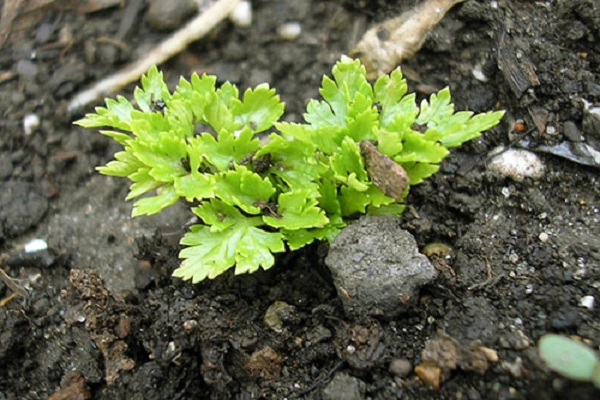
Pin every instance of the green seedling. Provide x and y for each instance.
(358, 151)
(570, 358)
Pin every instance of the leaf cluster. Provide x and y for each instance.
(202, 143)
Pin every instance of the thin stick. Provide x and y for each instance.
(192, 31)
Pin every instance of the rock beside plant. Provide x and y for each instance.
(377, 268)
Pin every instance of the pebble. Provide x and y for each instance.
(516, 164)
(377, 268)
(35, 245)
(400, 367)
(241, 15)
(289, 31)
(430, 374)
(587, 302)
(276, 313)
(169, 15)
(344, 387)
(31, 123)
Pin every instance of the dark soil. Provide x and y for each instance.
(130, 331)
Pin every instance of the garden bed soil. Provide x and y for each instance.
(98, 315)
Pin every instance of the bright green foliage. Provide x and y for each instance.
(200, 143)
(571, 359)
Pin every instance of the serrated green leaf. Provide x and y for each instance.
(211, 253)
(418, 149)
(292, 161)
(350, 79)
(151, 205)
(296, 239)
(400, 116)
(363, 119)
(142, 183)
(259, 110)
(326, 139)
(227, 148)
(244, 189)
(153, 89)
(437, 110)
(348, 166)
(119, 137)
(389, 143)
(116, 114)
(297, 210)
(163, 157)
(195, 186)
(389, 90)
(352, 201)
(219, 215)
(418, 172)
(180, 117)
(470, 129)
(124, 165)
(328, 199)
(339, 94)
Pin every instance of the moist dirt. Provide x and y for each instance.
(98, 315)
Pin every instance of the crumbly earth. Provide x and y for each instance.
(98, 315)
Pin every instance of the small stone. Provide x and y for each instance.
(400, 367)
(31, 123)
(189, 325)
(242, 14)
(289, 31)
(430, 374)
(587, 302)
(515, 368)
(516, 164)
(35, 246)
(490, 354)
(377, 268)
(344, 387)
(572, 132)
(543, 237)
(169, 15)
(276, 314)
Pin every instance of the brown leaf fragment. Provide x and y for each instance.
(385, 173)
(387, 44)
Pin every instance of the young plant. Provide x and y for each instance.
(571, 359)
(358, 151)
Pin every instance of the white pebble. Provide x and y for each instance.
(35, 245)
(516, 164)
(242, 14)
(31, 123)
(587, 302)
(478, 74)
(543, 237)
(289, 30)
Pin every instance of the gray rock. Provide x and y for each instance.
(377, 268)
(169, 15)
(344, 387)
